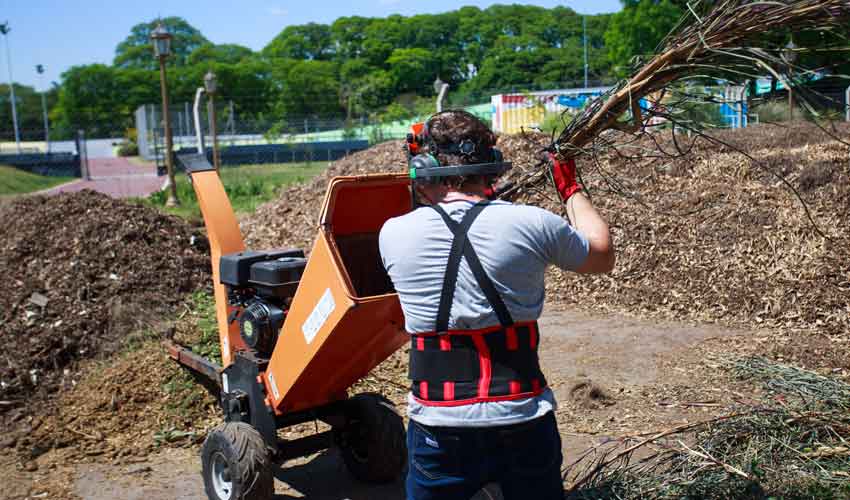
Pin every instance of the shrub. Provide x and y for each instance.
(128, 148)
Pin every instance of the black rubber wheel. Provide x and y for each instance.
(235, 464)
(373, 441)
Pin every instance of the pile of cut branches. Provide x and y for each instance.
(794, 443)
(725, 40)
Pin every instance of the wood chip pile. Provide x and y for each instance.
(291, 220)
(709, 237)
(83, 273)
(714, 237)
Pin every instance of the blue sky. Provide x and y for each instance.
(63, 33)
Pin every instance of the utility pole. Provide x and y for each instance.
(40, 70)
(584, 29)
(5, 29)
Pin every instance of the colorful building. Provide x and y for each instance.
(514, 112)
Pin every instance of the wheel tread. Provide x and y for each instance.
(253, 464)
(387, 446)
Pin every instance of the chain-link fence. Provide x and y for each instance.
(275, 136)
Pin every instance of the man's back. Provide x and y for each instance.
(514, 242)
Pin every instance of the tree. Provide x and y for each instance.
(228, 53)
(308, 41)
(93, 99)
(638, 29)
(359, 65)
(136, 51)
(382, 36)
(506, 68)
(30, 120)
(310, 88)
(348, 34)
(412, 69)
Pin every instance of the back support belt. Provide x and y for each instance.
(459, 367)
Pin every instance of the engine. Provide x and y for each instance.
(261, 285)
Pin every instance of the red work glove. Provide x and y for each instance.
(564, 173)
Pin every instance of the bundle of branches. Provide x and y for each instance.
(717, 40)
(795, 444)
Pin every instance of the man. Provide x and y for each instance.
(469, 274)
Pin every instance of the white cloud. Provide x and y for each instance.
(278, 11)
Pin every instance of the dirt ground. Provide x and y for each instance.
(712, 238)
(621, 359)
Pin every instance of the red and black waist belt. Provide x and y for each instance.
(459, 367)
(474, 366)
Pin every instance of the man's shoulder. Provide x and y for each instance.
(413, 216)
(528, 212)
(404, 224)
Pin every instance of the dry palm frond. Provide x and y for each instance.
(716, 40)
(799, 448)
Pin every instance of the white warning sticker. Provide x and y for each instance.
(274, 386)
(318, 317)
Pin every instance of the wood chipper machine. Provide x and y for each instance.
(296, 333)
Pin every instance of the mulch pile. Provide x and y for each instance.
(84, 273)
(292, 219)
(709, 237)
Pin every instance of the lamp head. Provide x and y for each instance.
(161, 41)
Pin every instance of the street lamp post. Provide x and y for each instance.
(40, 70)
(211, 86)
(790, 55)
(5, 29)
(162, 49)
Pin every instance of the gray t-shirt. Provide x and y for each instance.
(515, 244)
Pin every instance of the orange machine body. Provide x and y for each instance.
(225, 238)
(345, 317)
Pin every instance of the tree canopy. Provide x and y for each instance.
(357, 66)
(136, 50)
(30, 118)
(638, 29)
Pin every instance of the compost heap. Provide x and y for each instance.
(85, 272)
(710, 237)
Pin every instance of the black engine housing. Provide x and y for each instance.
(261, 284)
(259, 325)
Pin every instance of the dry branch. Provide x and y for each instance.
(716, 42)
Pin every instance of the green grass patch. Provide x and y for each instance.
(15, 181)
(247, 186)
(197, 329)
(203, 309)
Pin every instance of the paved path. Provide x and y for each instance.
(116, 177)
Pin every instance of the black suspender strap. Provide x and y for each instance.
(461, 246)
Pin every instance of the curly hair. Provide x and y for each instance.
(454, 126)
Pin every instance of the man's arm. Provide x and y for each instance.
(584, 218)
(587, 222)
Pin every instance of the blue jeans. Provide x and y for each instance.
(453, 463)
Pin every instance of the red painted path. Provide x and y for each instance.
(116, 177)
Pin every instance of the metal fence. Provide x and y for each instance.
(65, 159)
(262, 140)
